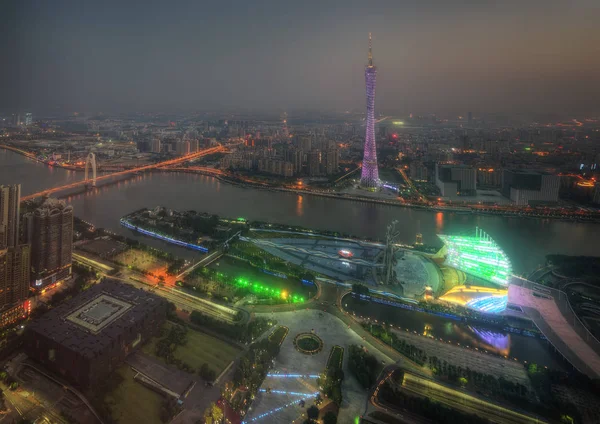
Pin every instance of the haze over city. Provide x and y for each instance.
(307, 212)
(540, 56)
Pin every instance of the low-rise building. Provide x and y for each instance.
(455, 179)
(88, 337)
(526, 187)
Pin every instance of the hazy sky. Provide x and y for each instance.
(432, 56)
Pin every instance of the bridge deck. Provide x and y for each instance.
(544, 312)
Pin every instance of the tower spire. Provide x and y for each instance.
(370, 52)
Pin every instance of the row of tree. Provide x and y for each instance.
(165, 348)
(240, 332)
(363, 365)
(331, 380)
(466, 377)
(425, 407)
(387, 336)
(253, 367)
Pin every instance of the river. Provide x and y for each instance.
(484, 337)
(525, 240)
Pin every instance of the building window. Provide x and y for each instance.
(52, 355)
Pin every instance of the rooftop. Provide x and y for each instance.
(91, 321)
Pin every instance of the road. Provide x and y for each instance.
(374, 404)
(182, 300)
(28, 406)
(411, 185)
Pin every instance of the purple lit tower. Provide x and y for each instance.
(369, 176)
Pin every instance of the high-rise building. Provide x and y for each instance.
(284, 127)
(332, 161)
(28, 118)
(155, 146)
(314, 163)
(294, 156)
(14, 258)
(193, 145)
(418, 171)
(14, 275)
(370, 173)
(52, 243)
(10, 200)
(305, 143)
(182, 147)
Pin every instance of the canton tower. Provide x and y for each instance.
(369, 176)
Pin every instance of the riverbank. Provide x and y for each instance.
(523, 213)
(467, 210)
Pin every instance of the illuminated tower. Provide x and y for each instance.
(284, 127)
(370, 174)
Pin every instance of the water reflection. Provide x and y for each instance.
(478, 336)
(439, 222)
(299, 206)
(490, 340)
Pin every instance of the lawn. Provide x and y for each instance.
(199, 349)
(335, 357)
(141, 260)
(278, 335)
(238, 268)
(131, 402)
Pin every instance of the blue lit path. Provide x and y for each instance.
(127, 224)
(272, 411)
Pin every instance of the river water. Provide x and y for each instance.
(525, 240)
(484, 337)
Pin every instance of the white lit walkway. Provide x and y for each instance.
(539, 304)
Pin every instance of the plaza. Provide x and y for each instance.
(293, 376)
(323, 256)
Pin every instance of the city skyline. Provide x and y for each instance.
(438, 57)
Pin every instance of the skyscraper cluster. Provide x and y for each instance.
(34, 249)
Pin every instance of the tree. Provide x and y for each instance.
(318, 399)
(330, 418)
(214, 412)
(360, 289)
(312, 412)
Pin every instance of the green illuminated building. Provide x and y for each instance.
(479, 256)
